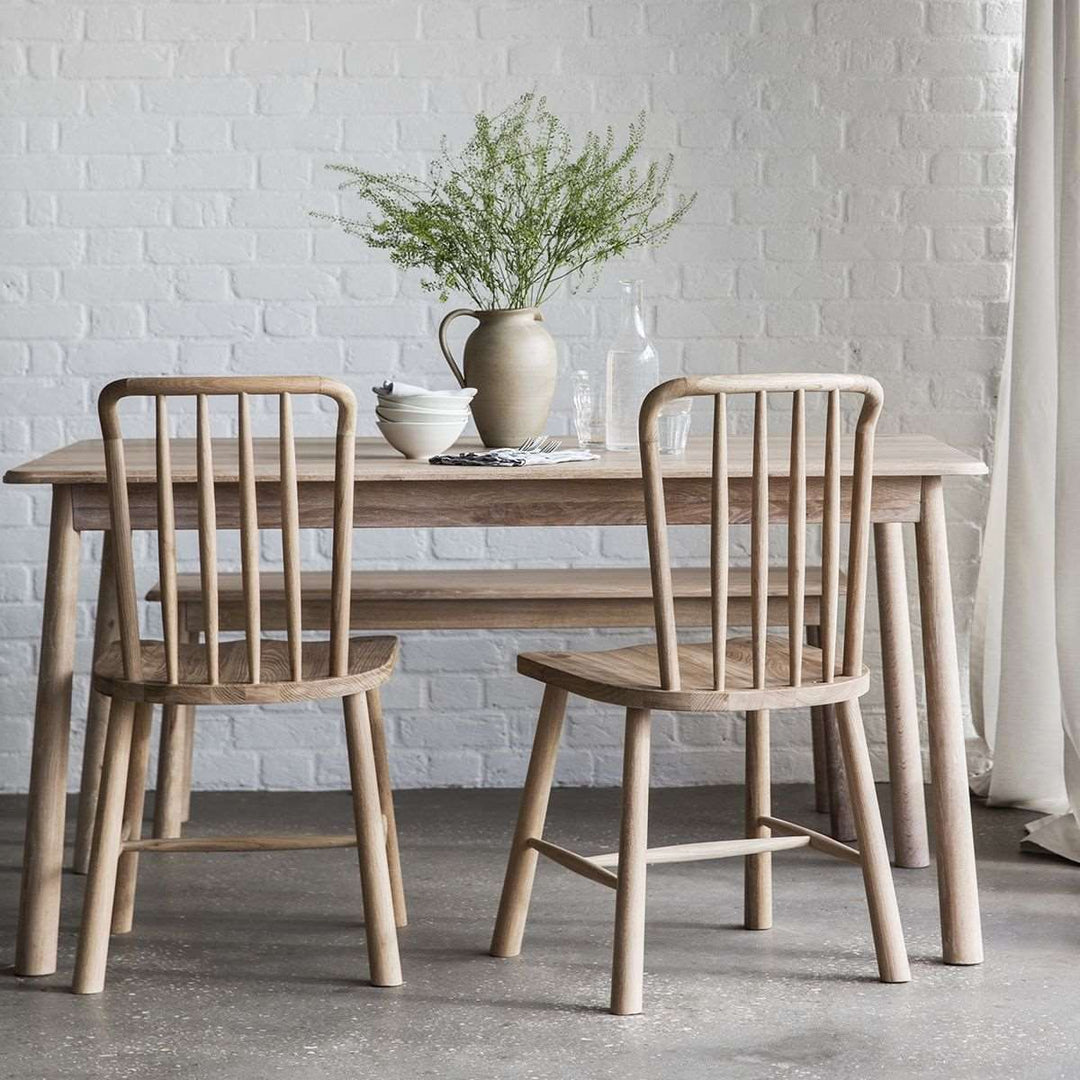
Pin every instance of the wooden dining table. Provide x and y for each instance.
(392, 492)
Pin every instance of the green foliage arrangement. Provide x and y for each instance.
(518, 210)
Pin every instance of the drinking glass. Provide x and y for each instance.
(588, 408)
(673, 426)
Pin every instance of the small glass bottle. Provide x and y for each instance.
(633, 369)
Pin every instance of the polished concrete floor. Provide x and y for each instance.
(253, 966)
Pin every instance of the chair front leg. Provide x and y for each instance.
(93, 949)
(521, 867)
(877, 874)
(382, 943)
(628, 966)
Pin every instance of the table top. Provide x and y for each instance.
(84, 462)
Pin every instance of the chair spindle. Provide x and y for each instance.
(718, 542)
(249, 541)
(797, 537)
(167, 542)
(208, 570)
(759, 540)
(290, 538)
(341, 582)
(830, 539)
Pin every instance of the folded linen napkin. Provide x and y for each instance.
(508, 457)
(406, 390)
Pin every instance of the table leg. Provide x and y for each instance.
(911, 846)
(106, 631)
(43, 853)
(958, 896)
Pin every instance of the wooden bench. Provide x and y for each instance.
(476, 599)
(493, 599)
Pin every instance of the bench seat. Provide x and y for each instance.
(496, 599)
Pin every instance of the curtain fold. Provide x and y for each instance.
(1026, 632)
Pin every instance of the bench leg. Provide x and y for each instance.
(386, 802)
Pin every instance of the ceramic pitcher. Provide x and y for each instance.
(510, 359)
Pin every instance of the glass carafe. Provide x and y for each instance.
(633, 369)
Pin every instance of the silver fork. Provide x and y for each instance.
(540, 444)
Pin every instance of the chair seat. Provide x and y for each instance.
(631, 677)
(370, 663)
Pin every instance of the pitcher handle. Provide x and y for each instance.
(446, 348)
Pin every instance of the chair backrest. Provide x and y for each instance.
(202, 389)
(796, 387)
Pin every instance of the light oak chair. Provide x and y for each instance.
(751, 675)
(135, 675)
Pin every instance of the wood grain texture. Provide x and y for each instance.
(371, 662)
(757, 868)
(208, 568)
(958, 895)
(379, 928)
(707, 850)
(97, 713)
(83, 462)
(135, 673)
(874, 855)
(818, 841)
(93, 949)
(630, 676)
(759, 543)
(911, 845)
(427, 504)
(720, 583)
(580, 864)
(796, 588)
(628, 952)
(43, 851)
(249, 539)
(521, 865)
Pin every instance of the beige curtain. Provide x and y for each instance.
(1026, 641)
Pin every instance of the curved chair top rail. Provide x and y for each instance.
(719, 387)
(242, 388)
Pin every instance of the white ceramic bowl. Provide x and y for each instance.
(408, 416)
(420, 441)
(450, 409)
(438, 402)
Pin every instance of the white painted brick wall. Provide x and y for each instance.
(157, 162)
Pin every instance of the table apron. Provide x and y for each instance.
(430, 504)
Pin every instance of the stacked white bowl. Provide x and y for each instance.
(420, 425)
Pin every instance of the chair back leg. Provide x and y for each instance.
(877, 874)
(169, 796)
(383, 959)
(757, 879)
(134, 801)
(93, 949)
(386, 801)
(521, 868)
(628, 966)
